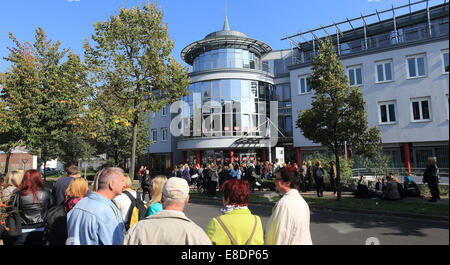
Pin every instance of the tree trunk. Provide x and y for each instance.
(338, 170)
(8, 157)
(338, 176)
(133, 149)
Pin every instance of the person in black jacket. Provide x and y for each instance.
(224, 175)
(362, 190)
(430, 176)
(308, 177)
(146, 184)
(380, 187)
(318, 178)
(56, 223)
(34, 201)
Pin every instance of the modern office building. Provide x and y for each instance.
(400, 63)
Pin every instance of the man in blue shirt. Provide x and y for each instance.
(96, 220)
(59, 188)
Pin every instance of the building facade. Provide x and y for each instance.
(400, 64)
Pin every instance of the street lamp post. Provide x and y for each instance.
(24, 162)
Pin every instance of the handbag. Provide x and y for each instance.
(13, 221)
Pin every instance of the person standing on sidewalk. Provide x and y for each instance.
(155, 205)
(169, 226)
(318, 178)
(96, 220)
(213, 179)
(59, 188)
(33, 203)
(430, 176)
(289, 222)
(237, 225)
(309, 175)
(145, 185)
(303, 172)
(333, 175)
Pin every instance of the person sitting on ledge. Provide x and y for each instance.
(392, 189)
(410, 187)
(362, 191)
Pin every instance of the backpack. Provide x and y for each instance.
(137, 210)
(13, 220)
(319, 173)
(55, 232)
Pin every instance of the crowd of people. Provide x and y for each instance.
(111, 212)
(207, 177)
(390, 188)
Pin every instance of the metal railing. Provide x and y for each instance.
(416, 173)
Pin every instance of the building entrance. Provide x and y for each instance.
(247, 157)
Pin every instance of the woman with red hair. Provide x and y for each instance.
(33, 203)
(237, 225)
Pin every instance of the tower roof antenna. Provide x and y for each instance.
(226, 25)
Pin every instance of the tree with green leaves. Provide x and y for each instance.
(44, 91)
(131, 63)
(16, 86)
(337, 116)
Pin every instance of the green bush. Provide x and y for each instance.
(346, 170)
(443, 189)
(268, 184)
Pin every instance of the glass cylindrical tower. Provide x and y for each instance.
(230, 98)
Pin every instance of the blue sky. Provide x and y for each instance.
(71, 21)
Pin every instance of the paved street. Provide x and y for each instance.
(338, 228)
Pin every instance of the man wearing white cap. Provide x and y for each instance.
(169, 226)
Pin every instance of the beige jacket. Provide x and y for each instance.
(166, 228)
(289, 223)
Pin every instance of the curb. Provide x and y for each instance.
(361, 211)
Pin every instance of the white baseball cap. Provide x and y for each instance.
(176, 188)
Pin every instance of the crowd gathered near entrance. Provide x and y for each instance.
(111, 212)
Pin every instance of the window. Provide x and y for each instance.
(154, 135)
(445, 61)
(384, 71)
(164, 111)
(416, 66)
(164, 134)
(448, 106)
(387, 113)
(355, 75)
(420, 109)
(304, 84)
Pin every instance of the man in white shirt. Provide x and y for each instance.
(289, 223)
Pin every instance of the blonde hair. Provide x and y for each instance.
(13, 178)
(309, 163)
(77, 187)
(95, 182)
(157, 187)
(432, 160)
(128, 183)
